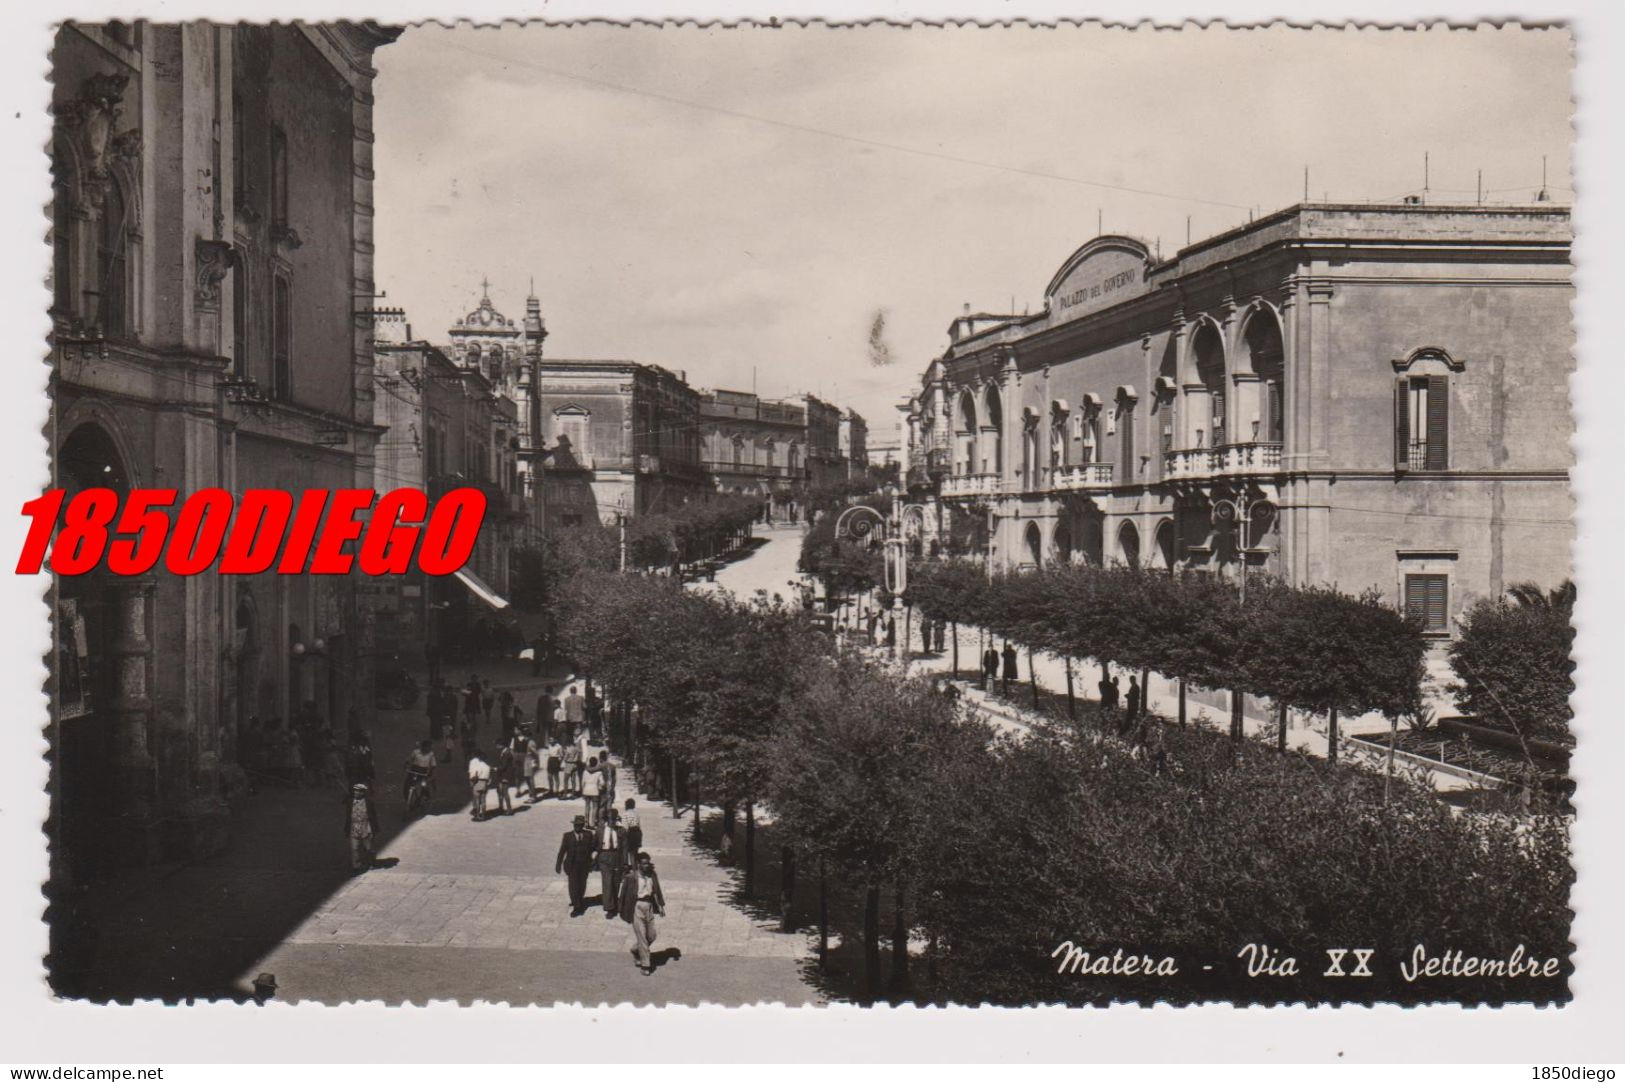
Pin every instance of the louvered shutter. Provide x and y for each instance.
(1402, 426)
(1426, 599)
(1438, 423)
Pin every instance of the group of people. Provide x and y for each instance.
(995, 663)
(629, 886)
(578, 769)
(305, 753)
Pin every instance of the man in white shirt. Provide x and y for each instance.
(479, 780)
(591, 786)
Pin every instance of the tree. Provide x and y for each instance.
(1514, 661)
(860, 758)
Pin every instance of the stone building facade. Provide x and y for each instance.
(212, 237)
(1366, 396)
(622, 438)
(854, 443)
(506, 353)
(445, 426)
(754, 447)
(825, 463)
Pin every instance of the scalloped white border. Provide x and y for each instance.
(41, 1031)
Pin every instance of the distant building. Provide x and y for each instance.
(623, 438)
(855, 444)
(446, 428)
(752, 447)
(506, 354)
(825, 463)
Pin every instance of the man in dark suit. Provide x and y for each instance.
(1011, 671)
(990, 669)
(609, 847)
(575, 861)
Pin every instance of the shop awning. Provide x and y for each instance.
(478, 587)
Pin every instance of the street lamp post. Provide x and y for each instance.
(859, 521)
(1239, 513)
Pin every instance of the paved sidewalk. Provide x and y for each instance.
(473, 911)
(1304, 734)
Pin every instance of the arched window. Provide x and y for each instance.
(281, 339)
(1125, 434)
(112, 266)
(1210, 371)
(1422, 410)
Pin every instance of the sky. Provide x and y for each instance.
(783, 208)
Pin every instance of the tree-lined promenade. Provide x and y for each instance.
(988, 853)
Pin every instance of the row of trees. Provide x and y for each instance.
(993, 851)
(693, 531)
(1308, 648)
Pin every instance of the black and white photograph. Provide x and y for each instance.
(830, 516)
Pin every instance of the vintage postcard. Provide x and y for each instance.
(812, 515)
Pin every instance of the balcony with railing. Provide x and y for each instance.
(1189, 464)
(1080, 478)
(1228, 460)
(972, 484)
(1235, 459)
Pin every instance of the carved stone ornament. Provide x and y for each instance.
(214, 259)
(88, 122)
(286, 235)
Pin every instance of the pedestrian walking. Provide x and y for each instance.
(641, 902)
(940, 635)
(361, 827)
(574, 861)
(631, 833)
(609, 774)
(591, 787)
(1135, 696)
(990, 669)
(572, 764)
(530, 761)
(555, 768)
(358, 765)
(611, 862)
(504, 773)
(479, 782)
(1011, 670)
(925, 636)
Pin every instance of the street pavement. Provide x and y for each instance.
(473, 911)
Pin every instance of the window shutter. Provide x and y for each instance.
(1438, 423)
(1402, 434)
(1425, 599)
(1436, 599)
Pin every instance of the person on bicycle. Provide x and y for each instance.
(419, 767)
